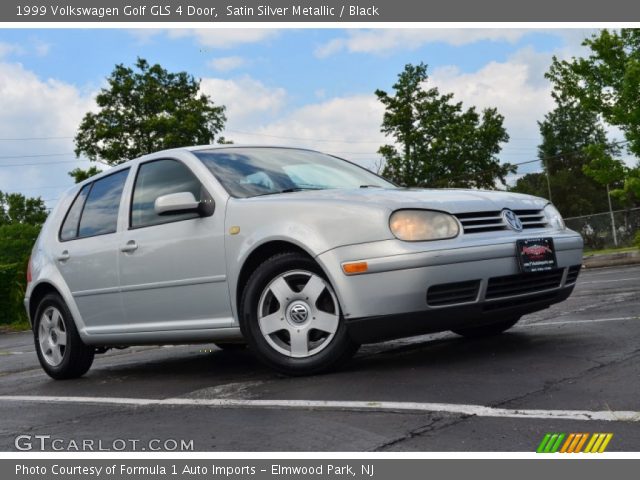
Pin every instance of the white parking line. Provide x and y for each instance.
(567, 322)
(338, 405)
(609, 281)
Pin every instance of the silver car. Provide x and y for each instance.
(301, 255)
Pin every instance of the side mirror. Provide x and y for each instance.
(176, 203)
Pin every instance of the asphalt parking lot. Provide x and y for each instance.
(572, 368)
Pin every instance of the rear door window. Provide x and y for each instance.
(100, 213)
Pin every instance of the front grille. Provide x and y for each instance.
(572, 274)
(523, 283)
(491, 221)
(452, 293)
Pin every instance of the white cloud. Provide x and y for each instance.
(10, 49)
(246, 99)
(33, 108)
(225, 64)
(210, 37)
(516, 88)
(346, 126)
(383, 41)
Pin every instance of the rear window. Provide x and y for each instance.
(95, 209)
(69, 229)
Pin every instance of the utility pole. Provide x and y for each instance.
(549, 185)
(613, 221)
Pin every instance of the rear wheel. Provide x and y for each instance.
(487, 330)
(291, 318)
(61, 352)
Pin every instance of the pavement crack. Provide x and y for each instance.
(436, 423)
(554, 383)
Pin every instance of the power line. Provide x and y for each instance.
(42, 163)
(37, 155)
(34, 138)
(303, 138)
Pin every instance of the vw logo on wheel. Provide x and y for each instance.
(512, 220)
(298, 313)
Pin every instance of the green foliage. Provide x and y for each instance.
(607, 82)
(20, 222)
(629, 194)
(80, 175)
(16, 208)
(636, 240)
(16, 241)
(573, 142)
(146, 110)
(603, 168)
(441, 145)
(532, 184)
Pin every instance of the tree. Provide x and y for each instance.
(146, 110)
(569, 135)
(80, 175)
(20, 222)
(607, 82)
(16, 208)
(532, 184)
(440, 144)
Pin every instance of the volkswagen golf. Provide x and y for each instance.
(300, 255)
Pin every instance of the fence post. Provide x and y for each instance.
(613, 221)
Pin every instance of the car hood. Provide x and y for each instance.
(449, 200)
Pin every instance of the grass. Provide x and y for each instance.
(610, 250)
(17, 326)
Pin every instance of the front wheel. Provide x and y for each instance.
(60, 350)
(487, 330)
(291, 318)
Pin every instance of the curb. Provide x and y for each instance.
(611, 260)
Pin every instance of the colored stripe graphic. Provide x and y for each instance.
(581, 443)
(574, 443)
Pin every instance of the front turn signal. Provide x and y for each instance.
(354, 268)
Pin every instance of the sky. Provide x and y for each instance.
(300, 87)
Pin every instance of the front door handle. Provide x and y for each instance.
(64, 256)
(130, 246)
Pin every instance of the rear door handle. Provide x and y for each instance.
(64, 256)
(130, 246)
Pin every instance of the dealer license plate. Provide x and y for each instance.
(536, 254)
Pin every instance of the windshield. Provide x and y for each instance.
(248, 172)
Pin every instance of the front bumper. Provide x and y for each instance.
(390, 300)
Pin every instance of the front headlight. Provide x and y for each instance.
(420, 225)
(554, 219)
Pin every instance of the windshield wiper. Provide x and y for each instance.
(370, 186)
(289, 190)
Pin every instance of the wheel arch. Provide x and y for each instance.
(37, 294)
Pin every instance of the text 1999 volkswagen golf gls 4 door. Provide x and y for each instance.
(301, 255)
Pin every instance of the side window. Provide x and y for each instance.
(100, 214)
(69, 229)
(158, 178)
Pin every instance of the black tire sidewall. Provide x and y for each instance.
(340, 347)
(77, 356)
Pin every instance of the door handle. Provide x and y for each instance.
(130, 246)
(64, 256)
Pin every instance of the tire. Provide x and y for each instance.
(53, 325)
(231, 347)
(487, 330)
(291, 318)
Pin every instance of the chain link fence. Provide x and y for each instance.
(597, 229)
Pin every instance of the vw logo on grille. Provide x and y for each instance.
(512, 220)
(298, 313)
